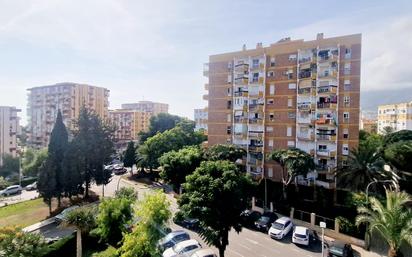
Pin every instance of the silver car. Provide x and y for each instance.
(11, 190)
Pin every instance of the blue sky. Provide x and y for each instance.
(155, 50)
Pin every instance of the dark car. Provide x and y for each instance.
(249, 218)
(340, 249)
(190, 223)
(172, 239)
(265, 221)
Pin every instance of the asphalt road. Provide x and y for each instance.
(24, 196)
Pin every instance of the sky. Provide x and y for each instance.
(155, 50)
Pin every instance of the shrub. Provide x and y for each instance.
(109, 252)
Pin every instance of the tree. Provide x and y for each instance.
(127, 193)
(399, 155)
(176, 165)
(16, 243)
(94, 140)
(10, 165)
(46, 184)
(223, 152)
(364, 166)
(216, 194)
(387, 130)
(402, 135)
(55, 154)
(33, 159)
(114, 217)
(294, 162)
(159, 124)
(153, 213)
(391, 219)
(129, 157)
(72, 170)
(82, 219)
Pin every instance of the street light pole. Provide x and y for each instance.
(323, 226)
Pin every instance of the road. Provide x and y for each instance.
(24, 196)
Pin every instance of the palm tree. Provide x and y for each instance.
(364, 165)
(83, 220)
(294, 162)
(392, 220)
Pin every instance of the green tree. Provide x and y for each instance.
(3, 183)
(159, 124)
(391, 219)
(130, 156)
(223, 152)
(114, 217)
(399, 155)
(387, 130)
(127, 193)
(176, 165)
(94, 140)
(294, 162)
(10, 165)
(16, 243)
(402, 135)
(216, 194)
(82, 219)
(46, 184)
(72, 170)
(364, 165)
(55, 154)
(153, 213)
(33, 159)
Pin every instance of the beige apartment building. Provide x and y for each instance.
(128, 124)
(147, 106)
(200, 117)
(293, 93)
(9, 129)
(397, 116)
(45, 101)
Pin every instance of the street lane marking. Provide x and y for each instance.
(230, 250)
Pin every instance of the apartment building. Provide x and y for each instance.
(147, 106)
(293, 93)
(9, 129)
(397, 116)
(128, 124)
(45, 101)
(200, 117)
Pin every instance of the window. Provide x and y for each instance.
(229, 65)
(270, 101)
(255, 77)
(322, 147)
(348, 53)
(292, 85)
(272, 89)
(255, 63)
(345, 149)
(270, 172)
(229, 79)
(229, 104)
(345, 133)
(346, 116)
(347, 68)
(271, 143)
(291, 143)
(269, 129)
(291, 115)
(346, 85)
(290, 74)
(229, 91)
(272, 62)
(229, 130)
(292, 57)
(271, 74)
(346, 101)
(271, 117)
(289, 131)
(229, 117)
(290, 102)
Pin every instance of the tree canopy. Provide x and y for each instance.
(129, 158)
(33, 159)
(159, 124)
(10, 166)
(16, 243)
(222, 152)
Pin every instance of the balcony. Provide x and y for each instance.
(206, 97)
(256, 107)
(324, 137)
(257, 80)
(305, 137)
(256, 121)
(306, 119)
(307, 74)
(259, 66)
(305, 106)
(305, 60)
(254, 162)
(256, 149)
(326, 153)
(256, 135)
(327, 74)
(327, 90)
(325, 121)
(327, 105)
(241, 93)
(206, 69)
(243, 80)
(305, 91)
(241, 67)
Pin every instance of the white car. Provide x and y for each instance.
(61, 216)
(280, 228)
(300, 235)
(204, 253)
(11, 190)
(183, 249)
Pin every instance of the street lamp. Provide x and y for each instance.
(323, 226)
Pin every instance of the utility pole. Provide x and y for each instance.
(323, 226)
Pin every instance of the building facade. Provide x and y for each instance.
(9, 129)
(128, 124)
(147, 106)
(200, 117)
(397, 116)
(294, 93)
(44, 103)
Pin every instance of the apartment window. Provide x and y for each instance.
(271, 74)
(269, 129)
(255, 63)
(347, 85)
(229, 104)
(292, 57)
(270, 101)
(229, 130)
(255, 77)
(290, 102)
(290, 74)
(345, 149)
(346, 101)
(322, 147)
(291, 143)
(348, 53)
(291, 115)
(271, 143)
(270, 172)
(229, 91)
(272, 89)
(345, 133)
(347, 68)
(229, 117)
(271, 116)
(292, 85)
(346, 116)
(272, 62)
(229, 79)
(229, 65)
(289, 131)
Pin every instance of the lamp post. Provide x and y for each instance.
(323, 226)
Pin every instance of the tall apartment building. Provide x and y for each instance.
(45, 101)
(293, 93)
(128, 124)
(9, 128)
(200, 116)
(147, 106)
(397, 116)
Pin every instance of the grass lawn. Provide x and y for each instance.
(23, 214)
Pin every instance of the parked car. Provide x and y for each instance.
(340, 249)
(61, 216)
(190, 223)
(183, 249)
(249, 217)
(204, 253)
(263, 223)
(11, 190)
(301, 235)
(118, 169)
(280, 228)
(32, 186)
(172, 239)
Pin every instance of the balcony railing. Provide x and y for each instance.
(256, 121)
(305, 74)
(305, 136)
(258, 80)
(304, 91)
(328, 74)
(325, 121)
(305, 106)
(241, 93)
(241, 80)
(326, 137)
(327, 105)
(327, 89)
(305, 59)
(326, 153)
(206, 69)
